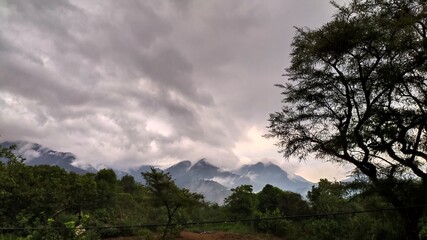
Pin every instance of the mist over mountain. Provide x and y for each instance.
(202, 174)
(36, 154)
(201, 177)
(262, 173)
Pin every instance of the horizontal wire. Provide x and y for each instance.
(216, 221)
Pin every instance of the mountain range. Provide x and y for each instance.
(202, 176)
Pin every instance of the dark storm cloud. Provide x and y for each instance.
(99, 72)
(132, 82)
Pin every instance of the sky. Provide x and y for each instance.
(130, 83)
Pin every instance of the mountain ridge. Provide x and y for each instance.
(202, 176)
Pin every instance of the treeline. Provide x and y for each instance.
(332, 210)
(46, 202)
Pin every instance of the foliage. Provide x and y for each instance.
(286, 203)
(47, 202)
(6, 153)
(358, 94)
(242, 202)
(327, 197)
(268, 198)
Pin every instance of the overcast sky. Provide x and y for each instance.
(126, 83)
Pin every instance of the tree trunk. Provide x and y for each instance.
(166, 228)
(170, 215)
(411, 216)
(409, 210)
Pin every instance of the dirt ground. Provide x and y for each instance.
(217, 236)
(209, 236)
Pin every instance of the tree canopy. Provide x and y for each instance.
(357, 93)
(242, 202)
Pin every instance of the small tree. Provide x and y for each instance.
(165, 193)
(242, 202)
(291, 203)
(128, 184)
(106, 181)
(269, 198)
(328, 197)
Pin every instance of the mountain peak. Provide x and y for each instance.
(179, 168)
(261, 166)
(203, 163)
(182, 164)
(258, 165)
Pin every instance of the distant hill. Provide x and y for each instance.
(262, 173)
(202, 177)
(35, 154)
(199, 178)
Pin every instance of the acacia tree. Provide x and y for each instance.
(357, 93)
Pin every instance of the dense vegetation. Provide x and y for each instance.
(46, 202)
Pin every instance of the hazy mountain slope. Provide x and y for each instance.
(200, 177)
(261, 174)
(35, 154)
(197, 178)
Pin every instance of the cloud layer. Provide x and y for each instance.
(125, 83)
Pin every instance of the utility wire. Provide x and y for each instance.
(304, 216)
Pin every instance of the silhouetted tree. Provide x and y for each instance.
(358, 94)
